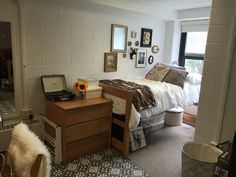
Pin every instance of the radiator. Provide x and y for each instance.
(6, 129)
(51, 136)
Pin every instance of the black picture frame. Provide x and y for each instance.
(150, 59)
(146, 37)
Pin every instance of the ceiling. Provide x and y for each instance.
(163, 9)
(176, 4)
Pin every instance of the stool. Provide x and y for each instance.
(174, 116)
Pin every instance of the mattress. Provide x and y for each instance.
(166, 95)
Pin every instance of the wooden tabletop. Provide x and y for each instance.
(79, 103)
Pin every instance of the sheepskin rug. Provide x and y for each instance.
(24, 148)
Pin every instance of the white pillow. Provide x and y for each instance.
(194, 78)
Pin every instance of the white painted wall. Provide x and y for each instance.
(229, 121)
(71, 37)
(212, 110)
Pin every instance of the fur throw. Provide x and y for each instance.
(23, 150)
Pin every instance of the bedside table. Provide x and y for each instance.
(85, 125)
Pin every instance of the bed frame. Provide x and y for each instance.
(122, 145)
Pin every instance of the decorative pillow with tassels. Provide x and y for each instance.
(157, 73)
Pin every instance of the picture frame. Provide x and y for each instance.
(133, 34)
(141, 59)
(110, 62)
(146, 37)
(155, 49)
(119, 35)
(150, 59)
(137, 139)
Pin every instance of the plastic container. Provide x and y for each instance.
(199, 160)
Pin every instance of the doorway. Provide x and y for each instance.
(7, 98)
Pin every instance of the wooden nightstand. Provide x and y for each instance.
(85, 125)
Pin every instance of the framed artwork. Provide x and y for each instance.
(119, 35)
(141, 59)
(133, 34)
(155, 49)
(150, 59)
(146, 37)
(137, 139)
(110, 62)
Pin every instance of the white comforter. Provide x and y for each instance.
(166, 95)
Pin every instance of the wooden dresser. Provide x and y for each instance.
(85, 125)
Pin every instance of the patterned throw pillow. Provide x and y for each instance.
(176, 77)
(157, 73)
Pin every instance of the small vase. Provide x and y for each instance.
(83, 95)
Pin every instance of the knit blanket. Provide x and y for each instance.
(142, 95)
(23, 150)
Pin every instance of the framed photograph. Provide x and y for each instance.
(146, 37)
(137, 139)
(141, 59)
(110, 62)
(133, 34)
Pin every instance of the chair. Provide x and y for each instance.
(26, 156)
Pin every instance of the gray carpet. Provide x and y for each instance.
(162, 156)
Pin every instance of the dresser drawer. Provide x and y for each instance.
(85, 146)
(84, 130)
(86, 114)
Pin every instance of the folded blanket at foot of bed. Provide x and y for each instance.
(142, 97)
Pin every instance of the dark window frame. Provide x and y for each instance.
(186, 56)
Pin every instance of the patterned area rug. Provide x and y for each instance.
(7, 107)
(105, 163)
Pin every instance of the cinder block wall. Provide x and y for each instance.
(218, 56)
(70, 38)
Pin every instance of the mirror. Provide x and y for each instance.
(119, 38)
(7, 98)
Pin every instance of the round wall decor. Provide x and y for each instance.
(129, 43)
(150, 59)
(137, 43)
(155, 49)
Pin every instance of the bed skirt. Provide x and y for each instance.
(153, 123)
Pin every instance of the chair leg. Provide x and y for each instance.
(36, 166)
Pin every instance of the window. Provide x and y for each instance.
(192, 51)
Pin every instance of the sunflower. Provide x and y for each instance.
(81, 86)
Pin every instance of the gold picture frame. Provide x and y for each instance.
(110, 62)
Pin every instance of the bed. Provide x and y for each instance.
(166, 95)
